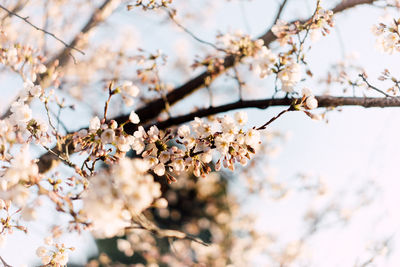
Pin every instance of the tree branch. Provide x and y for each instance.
(323, 101)
(154, 108)
(347, 4)
(146, 224)
(18, 6)
(49, 160)
(5, 264)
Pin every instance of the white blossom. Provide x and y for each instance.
(311, 102)
(94, 124)
(21, 114)
(107, 136)
(134, 118)
(263, 62)
(290, 76)
(41, 251)
(130, 89)
(241, 118)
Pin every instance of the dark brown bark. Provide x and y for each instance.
(323, 101)
(154, 108)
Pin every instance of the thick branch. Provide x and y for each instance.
(98, 16)
(280, 10)
(323, 101)
(154, 108)
(346, 4)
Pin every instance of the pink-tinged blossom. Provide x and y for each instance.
(41, 251)
(55, 255)
(123, 143)
(228, 125)
(388, 40)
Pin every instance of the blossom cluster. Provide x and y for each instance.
(238, 43)
(263, 62)
(54, 254)
(148, 70)
(289, 74)
(321, 20)
(124, 191)
(151, 4)
(96, 140)
(388, 36)
(22, 59)
(197, 144)
(20, 127)
(8, 222)
(17, 177)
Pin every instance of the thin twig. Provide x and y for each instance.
(40, 29)
(66, 161)
(362, 76)
(59, 122)
(171, 16)
(143, 223)
(239, 82)
(274, 118)
(19, 6)
(98, 16)
(110, 94)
